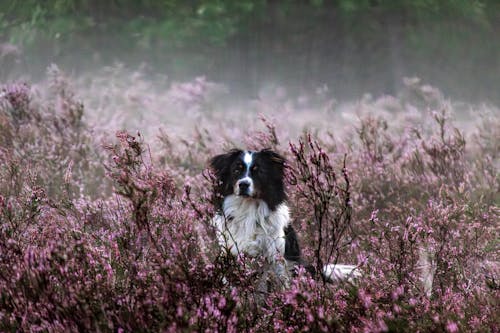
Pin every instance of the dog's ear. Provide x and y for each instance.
(274, 177)
(220, 164)
(274, 157)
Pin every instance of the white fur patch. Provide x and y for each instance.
(248, 159)
(340, 272)
(248, 226)
(427, 268)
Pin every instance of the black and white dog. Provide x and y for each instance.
(253, 215)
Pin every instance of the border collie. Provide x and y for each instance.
(253, 216)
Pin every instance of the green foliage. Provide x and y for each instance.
(188, 21)
(213, 18)
(195, 35)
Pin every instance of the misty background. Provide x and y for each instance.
(348, 47)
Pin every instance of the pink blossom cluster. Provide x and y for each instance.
(115, 237)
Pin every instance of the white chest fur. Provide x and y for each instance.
(248, 226)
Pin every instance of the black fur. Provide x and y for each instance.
(267, 177)
(221, 165)
(292, 250)
(272, 174)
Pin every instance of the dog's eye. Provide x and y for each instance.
(255, 168)
(239, 168)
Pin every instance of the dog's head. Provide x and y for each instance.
(251, 174)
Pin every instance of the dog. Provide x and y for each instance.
(253, 216)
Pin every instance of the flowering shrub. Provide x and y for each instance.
(117, 237)
(318, 187)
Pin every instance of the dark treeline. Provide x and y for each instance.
(354, 46)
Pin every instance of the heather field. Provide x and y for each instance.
(106, 201)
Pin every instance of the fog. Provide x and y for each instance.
(307, 65)
(310, 53)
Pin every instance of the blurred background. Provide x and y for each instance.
(348, 47)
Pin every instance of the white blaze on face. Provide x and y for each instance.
(247, 159)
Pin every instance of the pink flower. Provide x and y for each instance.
(451, 326)
(365, 297)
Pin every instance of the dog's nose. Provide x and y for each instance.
(244, 186)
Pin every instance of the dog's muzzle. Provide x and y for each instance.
(244, 187)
